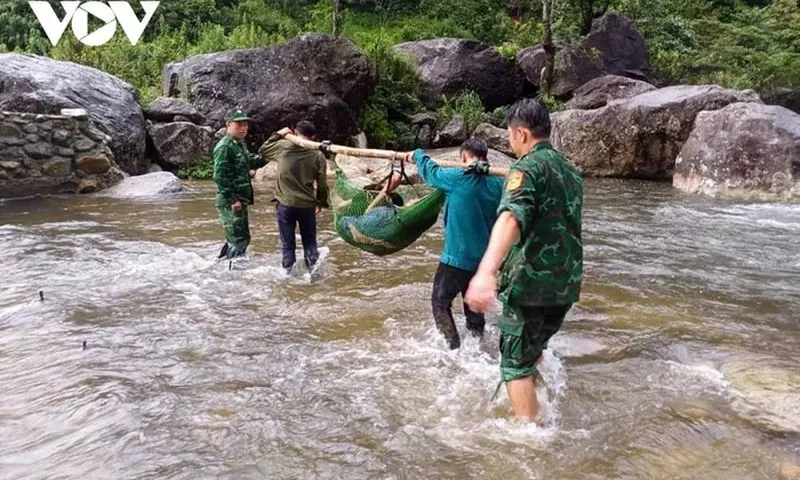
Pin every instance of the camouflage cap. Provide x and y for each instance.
(239, 116)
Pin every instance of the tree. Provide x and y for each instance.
(335, 22)
(549, 48)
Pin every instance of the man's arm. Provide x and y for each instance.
(322, 182)
(433, 174)
(483, 287)
(271, 147)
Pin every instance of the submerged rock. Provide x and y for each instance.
(148, 185)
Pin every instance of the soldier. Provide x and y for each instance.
(232, 165)
(537, 247)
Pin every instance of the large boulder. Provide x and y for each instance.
(613, 46)
(495, 137)
(743, 150)
(449, 66)
(148, 185)
(34, 84)
(639, 137)
(167, 109)
(180, 143)
(601, 91)
(312, 77)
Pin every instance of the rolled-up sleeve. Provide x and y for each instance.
(519, 199)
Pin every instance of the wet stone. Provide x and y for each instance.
(83, 145)
(9, 165)
(38, 150)
(65, 152)
(59, 167)
(61, 137)
(94, 165)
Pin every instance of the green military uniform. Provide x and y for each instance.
(541, 277)
(232, 165)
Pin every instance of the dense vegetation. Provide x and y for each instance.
(736, 43)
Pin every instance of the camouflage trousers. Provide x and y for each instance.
(524, 334)
(237, 230)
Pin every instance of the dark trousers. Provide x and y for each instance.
(447, 284)
(288, 219)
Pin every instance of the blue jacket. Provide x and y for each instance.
(469, 213)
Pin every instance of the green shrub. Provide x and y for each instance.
(467, 104)
(202, 169)
(552, 103)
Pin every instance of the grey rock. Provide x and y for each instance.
(148, 185)
(83, 145)
(425, 136)
(45, 86)
(745, 150)
(603, 90)
(9, 130)
(449, 66)
(454, 133)
(155, 168)
(32, 138)
(425, 118)
(314, 77)
(785, 97)
(181, 143)
(76, 113)
(613, 47)
(496, 138)
(165, 109)
(30, 128)
(360, 140)
(13, 140)
(38, 150)
(61, 137)
(639, 137)
(10, 165)
(58, 167)
(65, 152)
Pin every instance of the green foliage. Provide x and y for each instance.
(202, 169)
(397, 96)
(467, 104)
(552, 103)
(496, 117)
(735, 43)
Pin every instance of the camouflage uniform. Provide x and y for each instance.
(232, 165)
(541, 277)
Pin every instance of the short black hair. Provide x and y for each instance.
(306, 129)
(531, 114)
(476, 147)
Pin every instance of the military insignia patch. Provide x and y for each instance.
(514, 180)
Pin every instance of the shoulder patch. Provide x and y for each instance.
(514, 180)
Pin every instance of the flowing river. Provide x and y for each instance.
(149, 360)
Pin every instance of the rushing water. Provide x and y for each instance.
(679, 362)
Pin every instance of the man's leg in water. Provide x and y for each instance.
(445, 289)
(286, 227)
(525, 332)
(307, 219)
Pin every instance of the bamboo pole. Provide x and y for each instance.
(381, 154)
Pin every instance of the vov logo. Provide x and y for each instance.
(78, 13)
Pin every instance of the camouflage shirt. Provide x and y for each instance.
(232, 165)
(544, 192)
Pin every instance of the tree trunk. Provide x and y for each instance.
(336, 18)
(549, 48)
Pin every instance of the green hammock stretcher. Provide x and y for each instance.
(368, 220)
(386, 228)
